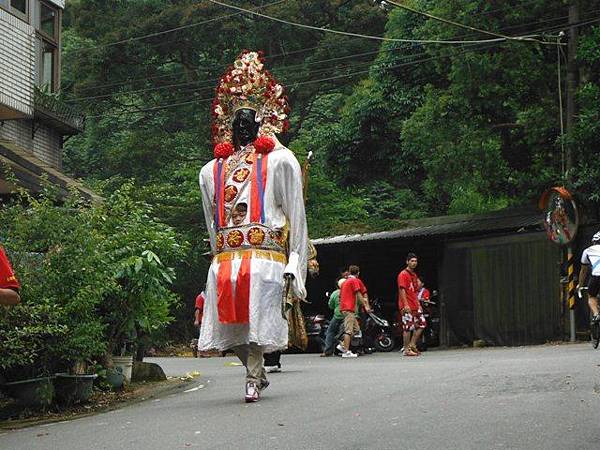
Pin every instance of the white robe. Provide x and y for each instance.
(283, 203)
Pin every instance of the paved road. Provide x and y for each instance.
(545, 397)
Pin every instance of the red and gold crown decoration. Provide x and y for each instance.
(247, 84)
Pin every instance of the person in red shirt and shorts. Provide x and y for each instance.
(413, 321)
(352, 292)
(9, 285)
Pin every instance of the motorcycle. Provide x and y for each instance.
(377, 330)
(431, 335)
(375, 333)
(316, 327)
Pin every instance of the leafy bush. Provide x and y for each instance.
(91, 278)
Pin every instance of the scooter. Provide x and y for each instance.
(378, 331)
(375, 333)
(431, 334)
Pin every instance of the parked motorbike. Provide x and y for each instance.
(316, 327)
(431, 335)
(375, 333)
(378, 330)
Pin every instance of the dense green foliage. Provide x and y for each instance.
(399, 130)
(91, 277)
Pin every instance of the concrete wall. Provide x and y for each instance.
(17, 64)
(45, 144)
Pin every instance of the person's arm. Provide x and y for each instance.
(9, 297)
(207, 190)
(197, 318)
(582, 274)
(288, 193)
(364, 300)
(334, 300)
(585, 264)
(403, 300)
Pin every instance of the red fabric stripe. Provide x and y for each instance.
(242, 292)
(233, 310)
(264, 180)
(224, 294)
(254, 194)
(256, 199)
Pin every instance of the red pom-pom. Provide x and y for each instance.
(264, 144)
(223, 150)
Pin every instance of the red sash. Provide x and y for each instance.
(233, 307)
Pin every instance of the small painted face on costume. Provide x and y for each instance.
(238, 214)
(412, 263)
(245, 127)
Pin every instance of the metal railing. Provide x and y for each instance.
(54, 108)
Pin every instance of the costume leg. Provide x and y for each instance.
(242, 352)
(255, 368)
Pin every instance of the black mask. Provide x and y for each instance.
(245, 127)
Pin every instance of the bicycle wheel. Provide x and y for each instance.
(595, 334)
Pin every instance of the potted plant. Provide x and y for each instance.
(29, 336)
(57, 322)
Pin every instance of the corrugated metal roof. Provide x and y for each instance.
(507, 220)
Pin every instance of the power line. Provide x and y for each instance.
(300, 83)
(160, 33)
(467, 27)
(302, 50)
(365, 36)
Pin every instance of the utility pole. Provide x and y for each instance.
(572, 79)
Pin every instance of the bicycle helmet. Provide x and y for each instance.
(596, 238)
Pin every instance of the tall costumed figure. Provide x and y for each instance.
(253, 205)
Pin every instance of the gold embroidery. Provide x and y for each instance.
(256, 236)
(235, 238)
(253, 253)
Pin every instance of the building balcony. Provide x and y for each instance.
(51, 110)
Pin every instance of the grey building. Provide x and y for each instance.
(34, 122)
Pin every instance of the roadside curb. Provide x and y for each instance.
(142, 392)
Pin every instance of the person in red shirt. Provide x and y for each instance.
(352, 292)
(9, 285)
(413, 321)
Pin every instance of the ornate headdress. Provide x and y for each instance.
(248, 85)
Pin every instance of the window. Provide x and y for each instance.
(19, 5)
(47, 25)
(48, 20)
(47, 67)
(17, 8)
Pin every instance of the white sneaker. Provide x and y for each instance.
(349, 354)
(341, 348)
(273, 369)
(252, 392)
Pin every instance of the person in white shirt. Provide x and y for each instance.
(590, 262)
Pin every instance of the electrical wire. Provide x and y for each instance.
(301, 83)
(467, 27)
(293, 52)
(365, 36)
(160, 33)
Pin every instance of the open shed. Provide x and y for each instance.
(497, 274)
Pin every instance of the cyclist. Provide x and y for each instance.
(591, 257)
